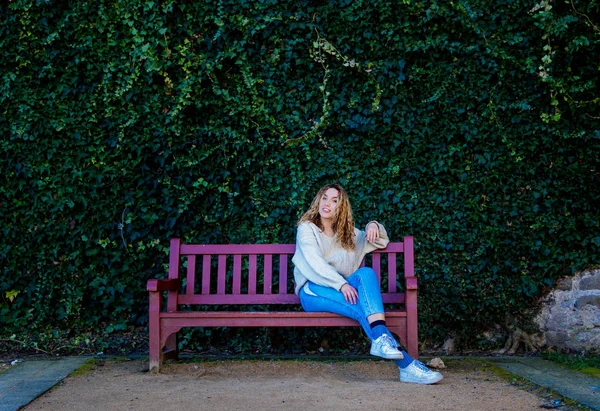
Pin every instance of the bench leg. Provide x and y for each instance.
(154, 354)
(412, 344)
(412, 326)
(408, 334)
(154, 359)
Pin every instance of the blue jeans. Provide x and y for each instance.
(330, 300)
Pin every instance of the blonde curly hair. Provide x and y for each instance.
(343, 223)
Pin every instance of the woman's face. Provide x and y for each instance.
(328, 204)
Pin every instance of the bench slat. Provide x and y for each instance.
(268, 278)
(252, 274)
(222, 274)
(283, 278)
(243, 249)
(258, 249)
(392, 248)
(391, 272)
(376, 265)
(206, 274)
(237, 274)
(191, 275)
(262, 299)
(263, 319)
(263, 314)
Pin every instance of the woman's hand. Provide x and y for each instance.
(350, 293)
(372, 232)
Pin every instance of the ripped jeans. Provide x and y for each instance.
(320, 298)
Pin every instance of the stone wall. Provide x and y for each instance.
(570, 314)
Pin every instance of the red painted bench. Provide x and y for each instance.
(262, 274)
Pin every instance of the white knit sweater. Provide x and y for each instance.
(322, 259)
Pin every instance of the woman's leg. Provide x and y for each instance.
(369, 307)
(366, 282)
(369, 293)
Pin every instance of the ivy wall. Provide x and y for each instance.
(472, 125)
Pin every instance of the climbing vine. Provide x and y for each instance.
(471, 126)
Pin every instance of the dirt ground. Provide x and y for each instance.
(115, 384)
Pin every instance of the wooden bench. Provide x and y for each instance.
(237, 275)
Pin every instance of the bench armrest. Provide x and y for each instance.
(411, 283)
(171, 284)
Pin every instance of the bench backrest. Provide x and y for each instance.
(263, 273)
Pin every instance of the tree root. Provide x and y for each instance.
(519, 338)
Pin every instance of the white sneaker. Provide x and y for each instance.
(418, 373)
(385, 347)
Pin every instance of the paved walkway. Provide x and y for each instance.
(23, 383)
(576, 386)
(28, 380)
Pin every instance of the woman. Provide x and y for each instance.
(329, 251)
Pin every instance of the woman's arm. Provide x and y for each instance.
(376, 236)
